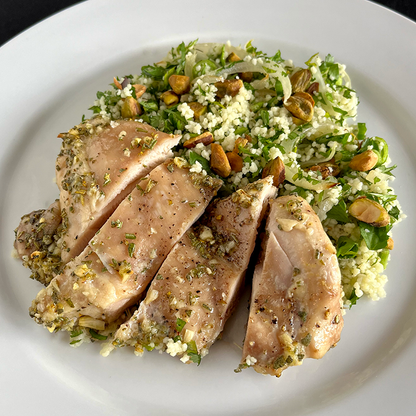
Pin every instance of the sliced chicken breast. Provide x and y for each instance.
(295, 310)
(196, 288)
(120, 261)
(37, 242)
(97, 167)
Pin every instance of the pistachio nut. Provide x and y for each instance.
(275, 168)
(219, 161)
(300, 80)
(180, 84)
(370, 212)
(204, 138)
(300, 106)
(364, 161)
(235, 160)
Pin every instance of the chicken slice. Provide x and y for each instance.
(295, 310)
(36, 242)
(116, 267)
(197, 287)
(97, 168)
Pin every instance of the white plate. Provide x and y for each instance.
(49, 77)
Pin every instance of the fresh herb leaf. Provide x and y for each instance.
(70, 303)
(116, 224)
(353, 298)
(375, 237)
(346, 248)
(180, 323)
(192, 352)
(98, 336)
(381, 198)
(249, 87)
(157, 122)
(340, 138)
(277, 57)
(278, 87)
(156, 72)
(195, 157)
(76, 333)
(95, 109)
(300, 192)
(339, 212)
(306, 340)
(269, 70)
(240, 130)
(302, 315)
(179, 56)
(378, 146)
(149, 105)
(330, 70)
(167, 75)
(362, 130)
(177, 120)
(195, 358)
(384, 257)
(148, 347)
(253, 50)
(395, 213)
(222, 56)
(204, 66)
(131, 248)
(309, 61)
(256, 106)
(387, 171)
(264, 114)
(340, 111)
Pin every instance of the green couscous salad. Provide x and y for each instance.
(244, 114)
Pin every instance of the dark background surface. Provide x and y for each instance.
(18, 15)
